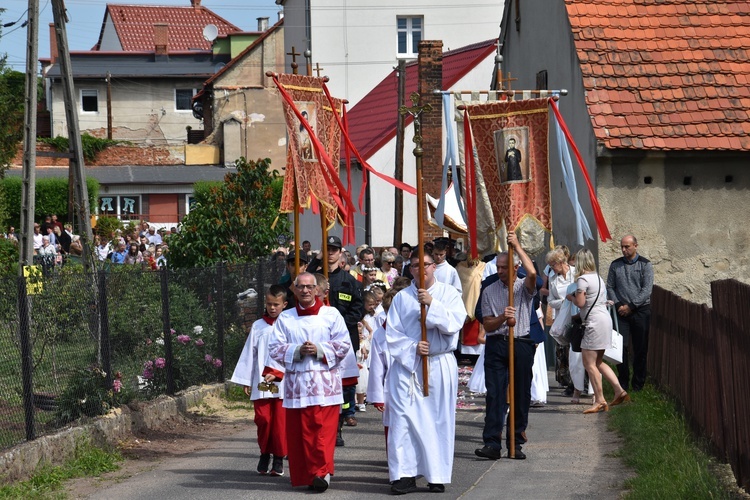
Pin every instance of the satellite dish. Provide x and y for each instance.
(210, 32)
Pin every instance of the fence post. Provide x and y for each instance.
(26, 365)
(220, 319)
(167, 331)
(104, 343)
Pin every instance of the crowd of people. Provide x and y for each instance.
(55, 244)
(331, 347)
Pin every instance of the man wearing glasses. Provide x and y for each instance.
(310, 341)
(422, 429)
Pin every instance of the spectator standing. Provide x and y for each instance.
(629, 285)
(386, 266)
(37, 237)
(134, 255)
(119, 255)
(597, 335)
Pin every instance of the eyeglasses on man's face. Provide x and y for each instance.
(305, 287)
(426, 264)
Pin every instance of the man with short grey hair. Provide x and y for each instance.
(629, 284)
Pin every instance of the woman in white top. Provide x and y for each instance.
(591, 298)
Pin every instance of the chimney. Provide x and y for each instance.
(161, 39)
(195, 3)
(53, 53)
(262, 24)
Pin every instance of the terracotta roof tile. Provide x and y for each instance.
(134, 25)
(665, 75)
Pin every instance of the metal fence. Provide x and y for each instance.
(75, 344)
(701, 356)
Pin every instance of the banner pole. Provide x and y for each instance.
(511, 357)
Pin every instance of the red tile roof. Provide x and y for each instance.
(134, 25)
(665, 75)
(373, 120)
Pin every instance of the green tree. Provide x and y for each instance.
(236, 221)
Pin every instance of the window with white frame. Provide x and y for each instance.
(183, 99)
(410, 31)
(189, 202)
(89, 100)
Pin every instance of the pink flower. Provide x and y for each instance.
(118, 375)
(183, 339)
(117, 385)
(217, 363)
(172, 331)
(147, 373)
(208, 358)
(160, 363)
(199, 342)
(148, 365)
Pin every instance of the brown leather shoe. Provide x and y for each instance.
(624, 397)
(350, 422)
(597, 408)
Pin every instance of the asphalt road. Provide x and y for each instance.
(569, 456)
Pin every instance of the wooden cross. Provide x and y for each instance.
(294, 55)
(501, 81)
(416, 112)
(318, 69)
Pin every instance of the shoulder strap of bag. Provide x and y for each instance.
(599, 280)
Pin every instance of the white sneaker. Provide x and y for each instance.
(361, 407)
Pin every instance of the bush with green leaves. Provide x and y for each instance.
(87, 394)
(107, 225)
(91, 145)
(8, 257)
(51, 197)
(236, 221)
(193, 361)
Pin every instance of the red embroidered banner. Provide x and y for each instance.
(313, 152)
(510, 138)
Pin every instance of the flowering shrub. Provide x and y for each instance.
(87, 394)
(192, 363)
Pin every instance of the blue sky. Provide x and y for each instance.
(86, 18)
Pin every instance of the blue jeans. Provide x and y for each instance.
(634, 331)
(347, 409)
(496, 379)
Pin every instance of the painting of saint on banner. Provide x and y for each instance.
(512, 154)
(304, 144)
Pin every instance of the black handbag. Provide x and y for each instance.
(578, 327)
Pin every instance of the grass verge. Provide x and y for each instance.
(47, 482)
(668, 461)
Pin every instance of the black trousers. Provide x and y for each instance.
(496, 374)
(634, 330)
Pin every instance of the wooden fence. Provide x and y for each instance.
(701, 356)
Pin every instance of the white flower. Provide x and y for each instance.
(160, 341)
(198, 330)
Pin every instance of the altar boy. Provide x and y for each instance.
(270, 415)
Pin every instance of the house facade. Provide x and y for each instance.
(357, 43)
(657, 105)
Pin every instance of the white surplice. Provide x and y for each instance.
(445, 273)
(422, 429)
(379, 363)
(310, 380)
(253, 360)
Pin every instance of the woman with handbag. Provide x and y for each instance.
(591, 298)
(570, 364)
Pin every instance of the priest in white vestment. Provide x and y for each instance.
(310, 341)
(422, 429)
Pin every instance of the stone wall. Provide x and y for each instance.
(689, 215)
(114, 156)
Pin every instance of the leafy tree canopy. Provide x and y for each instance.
(235, 221)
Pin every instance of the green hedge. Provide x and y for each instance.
(51, 197)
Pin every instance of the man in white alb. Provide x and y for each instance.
(444, 272)
(422, 429)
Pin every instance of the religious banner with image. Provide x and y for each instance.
(510, 140)
(308, 176)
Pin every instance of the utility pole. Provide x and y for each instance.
(398, 205)
(109, 105)
(28, 196)
(82, 209)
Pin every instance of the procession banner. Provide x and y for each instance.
(510, 141)
(314, 145)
